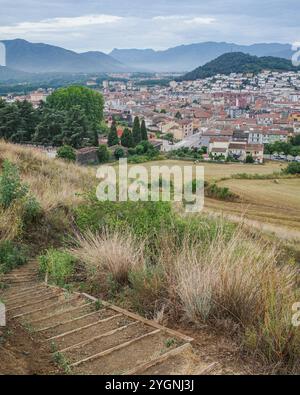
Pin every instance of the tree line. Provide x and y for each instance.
(291, 148)
(129, 139)
(71, 116)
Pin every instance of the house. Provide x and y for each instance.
(237, 150)
(218, 149)
(256, 151)
(181, 129)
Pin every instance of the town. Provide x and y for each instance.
(231, 118)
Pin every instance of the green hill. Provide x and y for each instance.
(238, 62)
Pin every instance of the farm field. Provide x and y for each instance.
(274, 206)
(215, 171)
(264, 204)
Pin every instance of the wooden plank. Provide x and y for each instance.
(83, 327)
(37, 294)
(116, 348)
(36, 302)
(61, 313)
(141, 368)
(24, 291)
(107, 334)
(69, 321)
(43, 308)
(142, 319)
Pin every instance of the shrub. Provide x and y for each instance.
(293, 168)
(11, 187)
(215, 192)
(59, 266)
(119, 153)
(250, 159)
(67, 153)
(11, 256)
(103, 154)
(111, 254)
(148, 290)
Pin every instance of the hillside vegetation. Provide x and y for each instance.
(238, 62)
(148, 258)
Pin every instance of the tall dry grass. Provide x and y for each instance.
(240, 280)
(109, 253)
(54, 183)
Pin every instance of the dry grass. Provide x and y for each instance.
(11, 221)
(240, 281)
(111, 254)
(54, 183)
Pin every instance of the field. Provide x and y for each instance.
(215, 171)
(272, 206)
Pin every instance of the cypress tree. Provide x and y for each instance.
(113, 138)
(127, 139)
(136, 131)
(144, 133)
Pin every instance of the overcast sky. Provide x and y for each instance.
(102, 25)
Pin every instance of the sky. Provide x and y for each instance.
(84, 25)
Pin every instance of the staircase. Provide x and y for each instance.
(89, 336)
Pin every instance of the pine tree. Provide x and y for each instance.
(113, 138)
(127, 139)
(144, 134)
(136, 131)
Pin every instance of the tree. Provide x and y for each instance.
(178, 115)
(119, 153)
(113, 138)
(66, 152)
(50, 128)
(103, 154)
(144, 134)
(91, 102)
(295, 151)
(295, 140)
(127, 139)
(136, 131)
(75, 128)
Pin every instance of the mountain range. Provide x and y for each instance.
(187, 57)
(24, 57)
(238, 62)
(43, 58)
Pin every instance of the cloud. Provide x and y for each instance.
(60, 24)
(186, 19)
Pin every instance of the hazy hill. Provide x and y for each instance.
(40, 58)
(238, 62)
(187, 57)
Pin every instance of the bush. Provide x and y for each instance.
(215, 192)
(67, 153)
(119, 153)
(293, 168)
(11, 188)
(148, 290)
(103, 154)
(59, 265)
(11, 256)
(250, 159)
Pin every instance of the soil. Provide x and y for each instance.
(22, 354)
